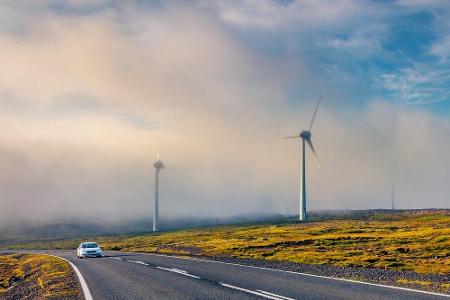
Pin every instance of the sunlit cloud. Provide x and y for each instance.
(90, 91)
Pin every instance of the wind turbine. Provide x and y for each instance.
(158, 166)
(305, 135)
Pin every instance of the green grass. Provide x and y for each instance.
(399, 242)
(36, 276)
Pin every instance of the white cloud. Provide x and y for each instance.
(441, 49)
(418, 84)
(422, 3)
(86, 101)
(362, 42)
(292, 15)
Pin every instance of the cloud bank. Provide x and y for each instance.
(91, 91)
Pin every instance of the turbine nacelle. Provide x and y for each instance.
(159, 164)
(305, 134)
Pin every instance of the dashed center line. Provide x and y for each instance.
(261, 293)
(138, 262)
(182, 271)
(178, 271)
(275, 295)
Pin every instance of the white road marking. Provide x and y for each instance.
(178, 272)
(84, 286)
(299, 273)
(275, 295)
(88, 296)
(118, 258)
(182, 271)
(138, 262)
(264, 295)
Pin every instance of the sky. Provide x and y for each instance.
(92, 90)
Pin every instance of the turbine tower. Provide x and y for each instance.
(158, 166)
(392, 197)
(305, 135)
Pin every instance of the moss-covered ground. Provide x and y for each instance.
(35, 276)
(400, 242)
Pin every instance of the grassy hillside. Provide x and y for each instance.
(419, 243)
(27, 276)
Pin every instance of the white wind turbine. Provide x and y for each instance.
(305, 135)
(158, 166)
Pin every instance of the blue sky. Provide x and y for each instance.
(91, 90)
(397, 50)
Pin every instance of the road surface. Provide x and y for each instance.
(144, 276)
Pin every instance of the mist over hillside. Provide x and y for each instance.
(85, 229)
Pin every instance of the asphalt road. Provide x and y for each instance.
(142, 276)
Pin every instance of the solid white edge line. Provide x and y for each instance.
(275, 295)
(84, 286)
(249, 291)
(299, 273)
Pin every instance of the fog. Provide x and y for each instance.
(89, 95)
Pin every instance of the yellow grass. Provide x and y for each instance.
(42, 276)
(416, 243)
(420, 244)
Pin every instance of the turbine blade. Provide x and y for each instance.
(292, 137)
(314, 115)
(314, 152)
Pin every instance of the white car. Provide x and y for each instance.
(89, 249)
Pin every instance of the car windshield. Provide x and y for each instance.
(89, 245)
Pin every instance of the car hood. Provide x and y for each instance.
(91, 249)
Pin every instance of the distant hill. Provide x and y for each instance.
(82, 228)
(74, 229)
(371, 213)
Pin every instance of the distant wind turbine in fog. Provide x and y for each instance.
(305, 135)
(158, 166)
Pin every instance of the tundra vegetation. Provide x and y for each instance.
(420, 244)
(402, 241)
(36, 276)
